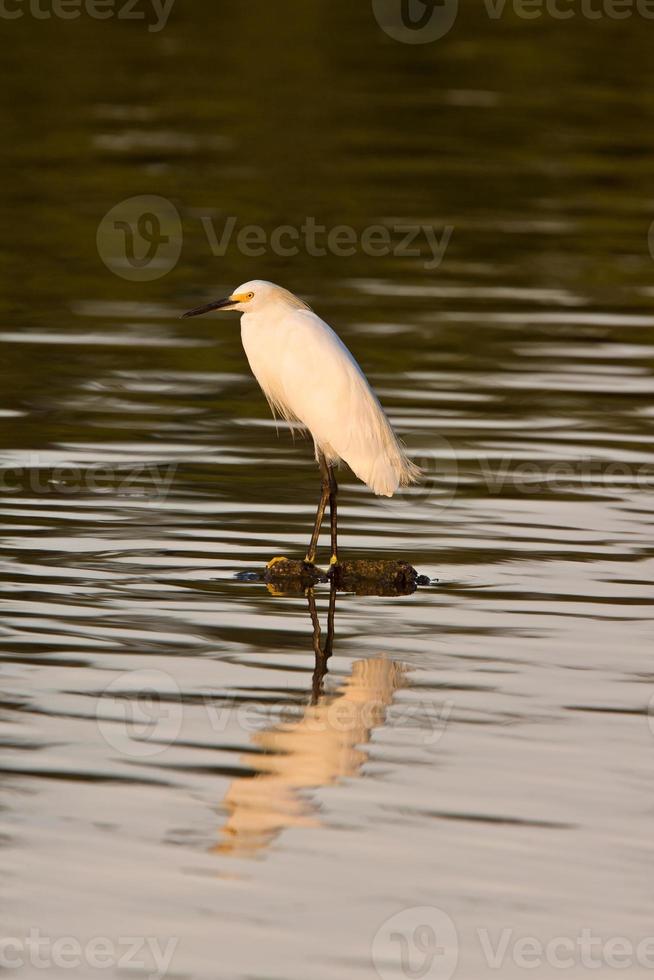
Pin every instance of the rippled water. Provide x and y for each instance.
(181, 758)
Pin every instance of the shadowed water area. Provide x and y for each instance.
(180, 757)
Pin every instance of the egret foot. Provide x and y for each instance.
(292, 575)
(274, 561)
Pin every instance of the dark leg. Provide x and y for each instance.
(325, 495)
(320, 662)
(331, 615)
(315, 623)
(333, 490)
(321, 655)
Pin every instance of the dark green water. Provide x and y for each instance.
(483, 746)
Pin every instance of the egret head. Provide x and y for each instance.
(251, 297)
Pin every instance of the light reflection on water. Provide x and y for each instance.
(318, 746)
(531, 657)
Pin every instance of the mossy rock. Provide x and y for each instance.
(290, 571)
(378, 577)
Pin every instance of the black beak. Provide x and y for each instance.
(219, 304)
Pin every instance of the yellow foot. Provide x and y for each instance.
(333, 560)
(274, 561)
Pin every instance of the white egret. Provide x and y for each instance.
(312, 380)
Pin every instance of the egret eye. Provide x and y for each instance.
(250, 295)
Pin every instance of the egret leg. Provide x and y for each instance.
(322, 655)
(333, 490)
(315, 623)
(325, 494)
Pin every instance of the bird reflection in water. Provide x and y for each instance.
(320, 747)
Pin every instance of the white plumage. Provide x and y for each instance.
(312, 380)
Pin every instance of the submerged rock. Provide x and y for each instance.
(289, 570)
(379, 577)
(289, 576)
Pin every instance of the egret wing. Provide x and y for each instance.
(322, 386)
